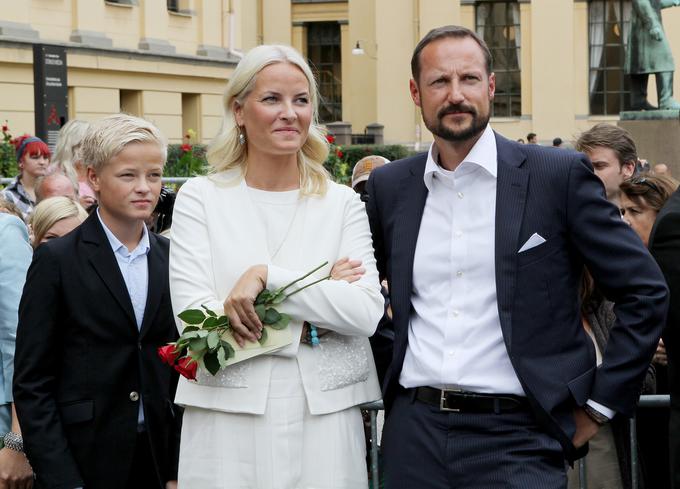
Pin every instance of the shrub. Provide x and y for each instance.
(8, 162)
(341, 160)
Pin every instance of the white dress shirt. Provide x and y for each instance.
(455, 338)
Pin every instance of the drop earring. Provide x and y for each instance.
(241, 137)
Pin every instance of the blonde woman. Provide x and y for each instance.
(54, 218)
(67, 158)
(267, 214)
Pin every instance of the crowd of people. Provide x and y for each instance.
(506, 301)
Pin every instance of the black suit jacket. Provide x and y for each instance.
(553, 193)
(80, 357)
(664, 243)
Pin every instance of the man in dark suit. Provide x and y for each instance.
(93, 398)
(664, 243)
(492, 382)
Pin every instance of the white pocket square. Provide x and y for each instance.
(534, 241)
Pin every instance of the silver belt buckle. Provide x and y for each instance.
(442, 401)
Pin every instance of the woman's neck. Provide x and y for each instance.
(276, 174)
(28, 182)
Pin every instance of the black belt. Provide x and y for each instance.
(470, 402)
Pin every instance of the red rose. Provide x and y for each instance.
(5, 128)
(339, 153)
(187, 367)
(330, 138)
(185, 147)
(168, 354)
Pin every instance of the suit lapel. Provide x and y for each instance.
(511, 193)
(405, 237)
(105, 264)
(158, 277)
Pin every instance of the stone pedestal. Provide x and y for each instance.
(342, 131)
(657, 136)
(377, 131)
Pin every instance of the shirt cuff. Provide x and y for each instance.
(603, 410)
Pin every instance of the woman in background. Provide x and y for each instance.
(67, 159)
(33, 158)
(54, 218)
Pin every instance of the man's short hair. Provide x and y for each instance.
(444, 32)
(531, 135)
(557, 141)
(42, 180)
(108, 136)
(609, 136)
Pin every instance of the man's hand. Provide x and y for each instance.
(171, 485)
(15, 472)
(586, 428)
(660, 355)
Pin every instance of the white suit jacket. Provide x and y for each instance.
(216, 236)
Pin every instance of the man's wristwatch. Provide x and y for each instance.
(595, 415)
(14, 441)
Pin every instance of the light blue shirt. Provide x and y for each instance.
(134, 268)
(15, 257)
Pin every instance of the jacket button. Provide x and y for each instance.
(134, 396)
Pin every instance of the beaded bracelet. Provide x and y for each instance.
(14, 441)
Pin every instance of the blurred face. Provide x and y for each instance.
(57, 185)
(34, 165)
(453, 89)
(129, 184)
(61, 228)
(639, 216)
(277, 113)
(607, 167)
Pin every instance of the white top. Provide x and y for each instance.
(277, 212)
(455, 338)
(218, 232)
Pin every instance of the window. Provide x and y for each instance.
(173, 5)
(608, 29)
(323, 51)
(498, 24)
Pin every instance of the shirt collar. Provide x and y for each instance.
(142, 248)
(483, 154)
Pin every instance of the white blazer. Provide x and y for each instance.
(216, 236)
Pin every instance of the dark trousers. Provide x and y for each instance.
(426, 448)
(143, 472)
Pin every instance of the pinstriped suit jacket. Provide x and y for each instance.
(554, 193)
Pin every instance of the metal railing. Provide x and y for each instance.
(174, 180)
(656, 401)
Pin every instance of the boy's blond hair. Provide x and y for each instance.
(108, 136)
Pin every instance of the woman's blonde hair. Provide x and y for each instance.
(49, 212)
(225, 152)
(66, 156)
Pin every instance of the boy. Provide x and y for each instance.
(93, 399)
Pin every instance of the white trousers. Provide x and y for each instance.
(286, 448)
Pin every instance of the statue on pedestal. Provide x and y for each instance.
(649, 53)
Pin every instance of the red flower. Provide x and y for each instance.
(339, 154)
(5, 128)
(168, 354)
(185, 147)
(330, 138)
(187, 367)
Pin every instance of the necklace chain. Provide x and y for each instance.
(285, 236)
